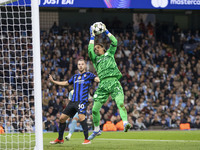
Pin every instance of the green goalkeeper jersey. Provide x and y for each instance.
(105, 65)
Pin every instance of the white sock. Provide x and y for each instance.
(124, 122)
(69, 135)
(96, 129)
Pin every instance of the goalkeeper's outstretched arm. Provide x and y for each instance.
(91, 52)
(113, 47)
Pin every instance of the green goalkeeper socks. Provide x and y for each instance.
(120, 104)
(96, 113)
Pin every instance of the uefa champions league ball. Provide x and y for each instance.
(98, 28)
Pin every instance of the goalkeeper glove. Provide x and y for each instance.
(92, 35)
(106, 30)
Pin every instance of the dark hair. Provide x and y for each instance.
(100, 44)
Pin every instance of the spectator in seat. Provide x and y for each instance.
(156, 121)
(163, 122)
(47, 123)
(54, 29)
(9, 128)
(197, 122)
(14, 124)
(21, 127)
(173, 121)
(29, 128)
(53, 127)
(139, 123)
(147, 121)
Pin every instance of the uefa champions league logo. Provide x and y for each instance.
(117, 3)
(159, 3)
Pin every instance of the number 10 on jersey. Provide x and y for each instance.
(81, 106)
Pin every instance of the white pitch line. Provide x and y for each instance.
(146, 140)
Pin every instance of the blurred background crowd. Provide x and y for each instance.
(161, 77)
(161, 81)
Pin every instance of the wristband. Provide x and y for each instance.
(92, 38)
(107, 32)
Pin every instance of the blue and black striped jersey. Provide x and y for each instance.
(81, 83)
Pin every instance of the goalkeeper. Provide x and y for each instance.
(109, 74)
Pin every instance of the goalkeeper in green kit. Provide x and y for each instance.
(109, 74)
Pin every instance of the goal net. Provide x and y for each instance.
(20, 79)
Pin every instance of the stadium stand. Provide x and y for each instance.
(161, 81)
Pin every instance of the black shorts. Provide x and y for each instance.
(73, 107)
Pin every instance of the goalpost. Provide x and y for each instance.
(20, 76)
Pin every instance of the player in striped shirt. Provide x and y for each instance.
(79, 102)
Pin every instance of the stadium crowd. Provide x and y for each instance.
(161, 81)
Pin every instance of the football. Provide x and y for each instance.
(98, 28)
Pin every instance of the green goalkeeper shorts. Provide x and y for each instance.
(106, 87)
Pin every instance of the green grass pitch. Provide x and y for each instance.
(138, 140)
(133, 140)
